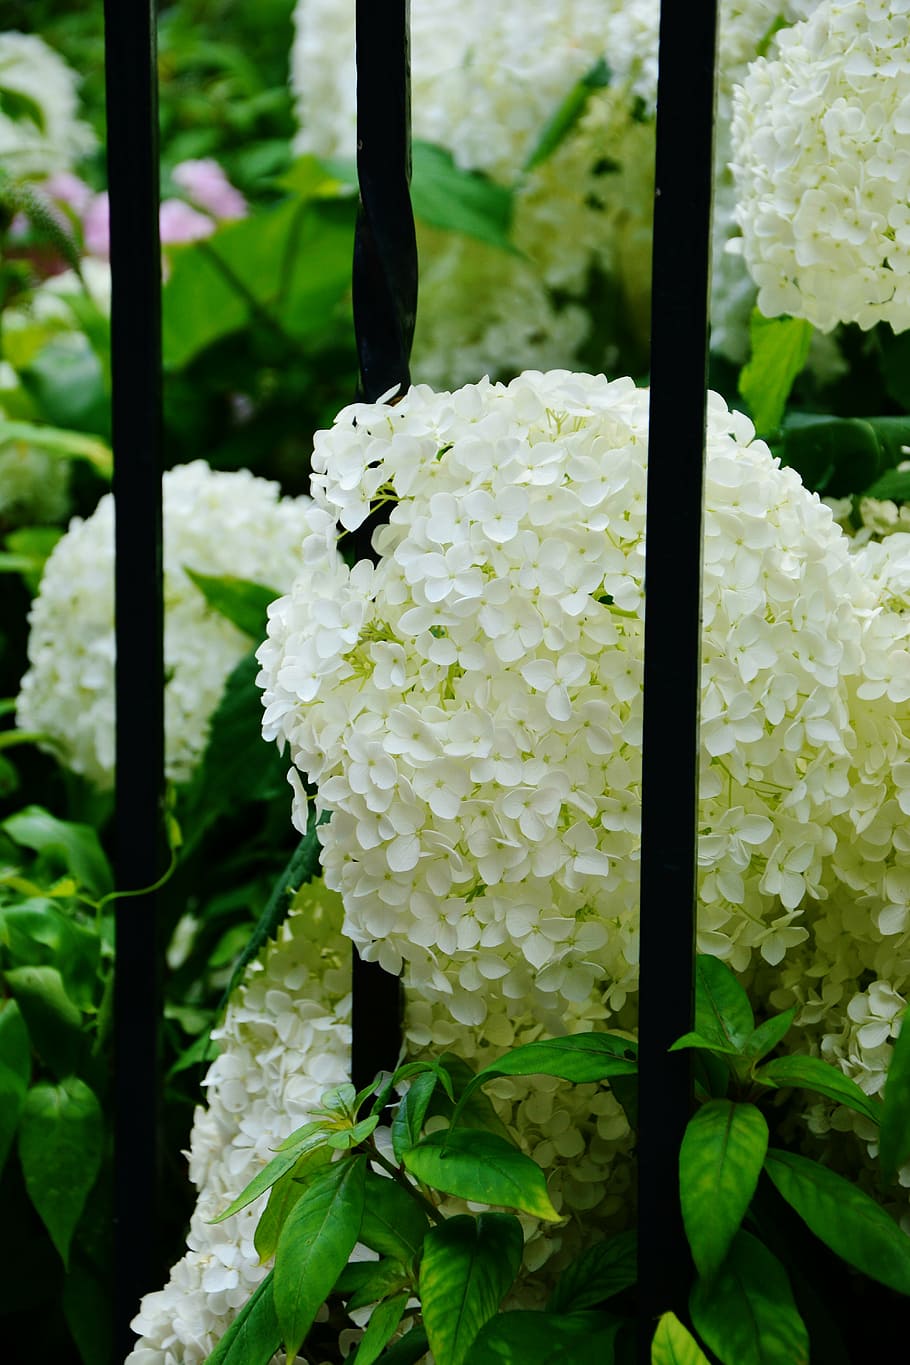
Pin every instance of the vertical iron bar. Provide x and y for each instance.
(672, 660)
(132, 163)
(385, 306)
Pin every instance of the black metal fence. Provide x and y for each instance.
(384, 284)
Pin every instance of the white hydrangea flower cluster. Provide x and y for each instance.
(285, 1039)
(470, 706)
(42, 133)
(821, 160)
(879, 517)
(215, 523)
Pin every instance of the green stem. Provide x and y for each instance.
(398, 1175)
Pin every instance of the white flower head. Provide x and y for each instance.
(40, 132)
(215, 524)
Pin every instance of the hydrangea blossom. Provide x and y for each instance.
(29, 148)
(285, 1039)
(214, 523)
(470, 706)
(821, 159)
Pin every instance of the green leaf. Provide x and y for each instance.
(528, 1338)
(837, 456)
(579, 1057)
(894, 484)
(365, 1282)
(254, 1336)
(779, 350)
(767, 1036)
(54, 1022)
(393, 1223)
(703, 1044)
(15, 1072)
(844, 1218)
(894, 1139)
(408, 1121)
(445, 196)
(625, 1092)
(316, 1241)
(476, 1111)
(719, 1164)
(605, 1269)
(76, 847)
(467, 1267)
(345, 1138)
(20, 107)
(723, 1015)
(382, 1326)
(673, 1344)
(39, 934)
(68, 386)
(746, 1314)
(482, 1167)
(242, 602)
(61, 1134)
(283, 1195)
(566, 117)
(407, 1350)
(71, 445)
(86, 1301)
(811, 1073)
(272, 1172)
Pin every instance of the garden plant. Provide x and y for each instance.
(403, 690)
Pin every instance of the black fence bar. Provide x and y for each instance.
(132, 163)
(385, 306)
(672, 661)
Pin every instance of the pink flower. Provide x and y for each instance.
(96, 227)
(68, 189)
(180, 222)
(207, 185)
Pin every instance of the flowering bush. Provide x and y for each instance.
(215, 524)
(470, 706)
(821, 137)
(40, 131)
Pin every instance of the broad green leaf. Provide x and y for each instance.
(254, 1336)
(893, 484)
(67, 383)
(39, 934)
(625, 1092)
(75, 846)
(445, 196)
(673, 1344)
(529, 1338)
(61, 1134)
(838, 456)
(301, 1136)
(382, 1326)
(894, 1139)
(239, 600)
(407, 1350)
(605, 1269)
(779, 350)
(467, 1267)
(566, 117)
(476, 1111)
(393, 1222)
(767, 1036)
(699, 1041)
(746, 1315)
(365, 1282)
(283, 1195)
(811, 1073)
(54, 1022)
(318, 1237)
(264, 1180)
(844, 1218)
(408, 1121)
(723, 1015)
(68, 444)
(86, 1302)
(579, 1057)
(482, 1167)
(720, 1161)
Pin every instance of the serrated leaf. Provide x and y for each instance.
(811, 1073)
(894, 1138)
(380, 1329)
(843, 1217)
(61, 1133)
(318, 1237)
(271, 1173)
(723, 1015)
(283, 1195)
(779, 350)
(54, 1023)
(674, 1344)
(720, 1161)
(254, 1336)
(529, 1338)
(746, 1314)
(467, 1267)
(393, 1223)
(456, 200)
(766, 1037)
(482, 1167)
(76, 846)
(240, 601)
(408, 1121)
(605, 1269)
